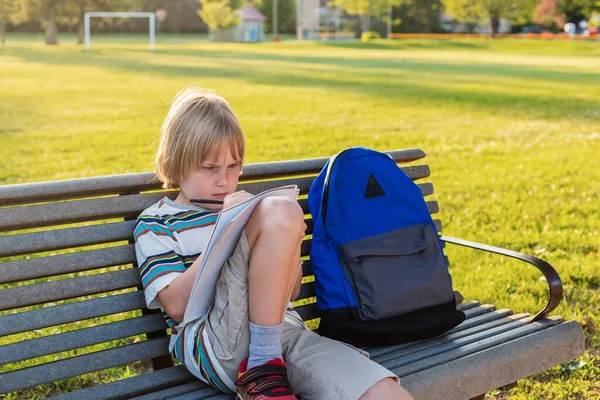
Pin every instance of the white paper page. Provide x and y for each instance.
(226, 234)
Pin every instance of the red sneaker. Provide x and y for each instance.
(264, 382)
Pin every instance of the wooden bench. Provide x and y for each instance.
(71, 301)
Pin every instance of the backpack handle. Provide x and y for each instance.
(325, 196)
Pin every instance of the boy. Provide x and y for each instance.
(241, 345)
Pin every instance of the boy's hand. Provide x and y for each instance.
(236, 197)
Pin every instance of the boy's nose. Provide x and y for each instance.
(222, 179)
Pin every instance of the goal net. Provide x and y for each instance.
(108, 14)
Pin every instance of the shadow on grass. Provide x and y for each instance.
(404, 80)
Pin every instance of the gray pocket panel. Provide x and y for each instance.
(397, 272)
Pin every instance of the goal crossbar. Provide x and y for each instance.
(119, 14)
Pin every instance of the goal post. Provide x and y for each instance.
(108, 14)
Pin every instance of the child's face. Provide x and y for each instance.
(217, 177)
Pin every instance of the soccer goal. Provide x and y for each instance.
(107, 14)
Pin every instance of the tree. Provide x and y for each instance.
(576, 10)
(518, 11)
(467, 12)
(219, 14)
(72, 12)
(422, 16)
(286, 13)
(8, 8)
(547, 15)
(182, 15)
(44, 11)
(367, 8)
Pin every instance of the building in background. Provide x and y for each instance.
(450, 25)
(307, 19)
(250, 29)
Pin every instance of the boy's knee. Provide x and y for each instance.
(387, 388)
(280, 214)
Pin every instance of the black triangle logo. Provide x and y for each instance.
(373, 188)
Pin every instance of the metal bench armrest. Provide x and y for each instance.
(554, 282)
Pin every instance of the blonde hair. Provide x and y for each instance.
(198, 124)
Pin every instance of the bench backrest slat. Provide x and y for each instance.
(83, 337)
(135, 183)
(68, 288)
(79, 365)
(123, 206)
(71, 312)
(28, 243)
(41, 267)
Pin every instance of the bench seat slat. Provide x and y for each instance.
(434, 346)
(452, 351)
(41, 267)
(497, 366)
(202, 394)
(472, 309)
(52, 344)
(68, 288)
(469, 323)
(198, 390)
(134, 386)
(79, 365)
(134, 183)
(125, 206)
(65, 313)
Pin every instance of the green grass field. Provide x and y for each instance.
(511, 129)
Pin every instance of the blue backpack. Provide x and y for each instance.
(380, 272)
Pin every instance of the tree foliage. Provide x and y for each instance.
(372, 8)
(8, 9)
(548, 16)
(469, 11)
(219, 14)
(577, 10)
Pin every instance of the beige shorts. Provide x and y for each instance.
(318, 367)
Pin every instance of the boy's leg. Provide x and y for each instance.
(266, 259)
(275, 231)
(322, 368)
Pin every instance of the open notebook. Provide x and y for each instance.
(227, 232)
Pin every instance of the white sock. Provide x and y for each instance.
(265, 344)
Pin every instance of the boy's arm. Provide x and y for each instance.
(174, 298)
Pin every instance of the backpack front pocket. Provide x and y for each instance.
(397, 272)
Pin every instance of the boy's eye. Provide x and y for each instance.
(233, 166)
(210, 168)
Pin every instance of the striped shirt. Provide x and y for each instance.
(168, 239)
